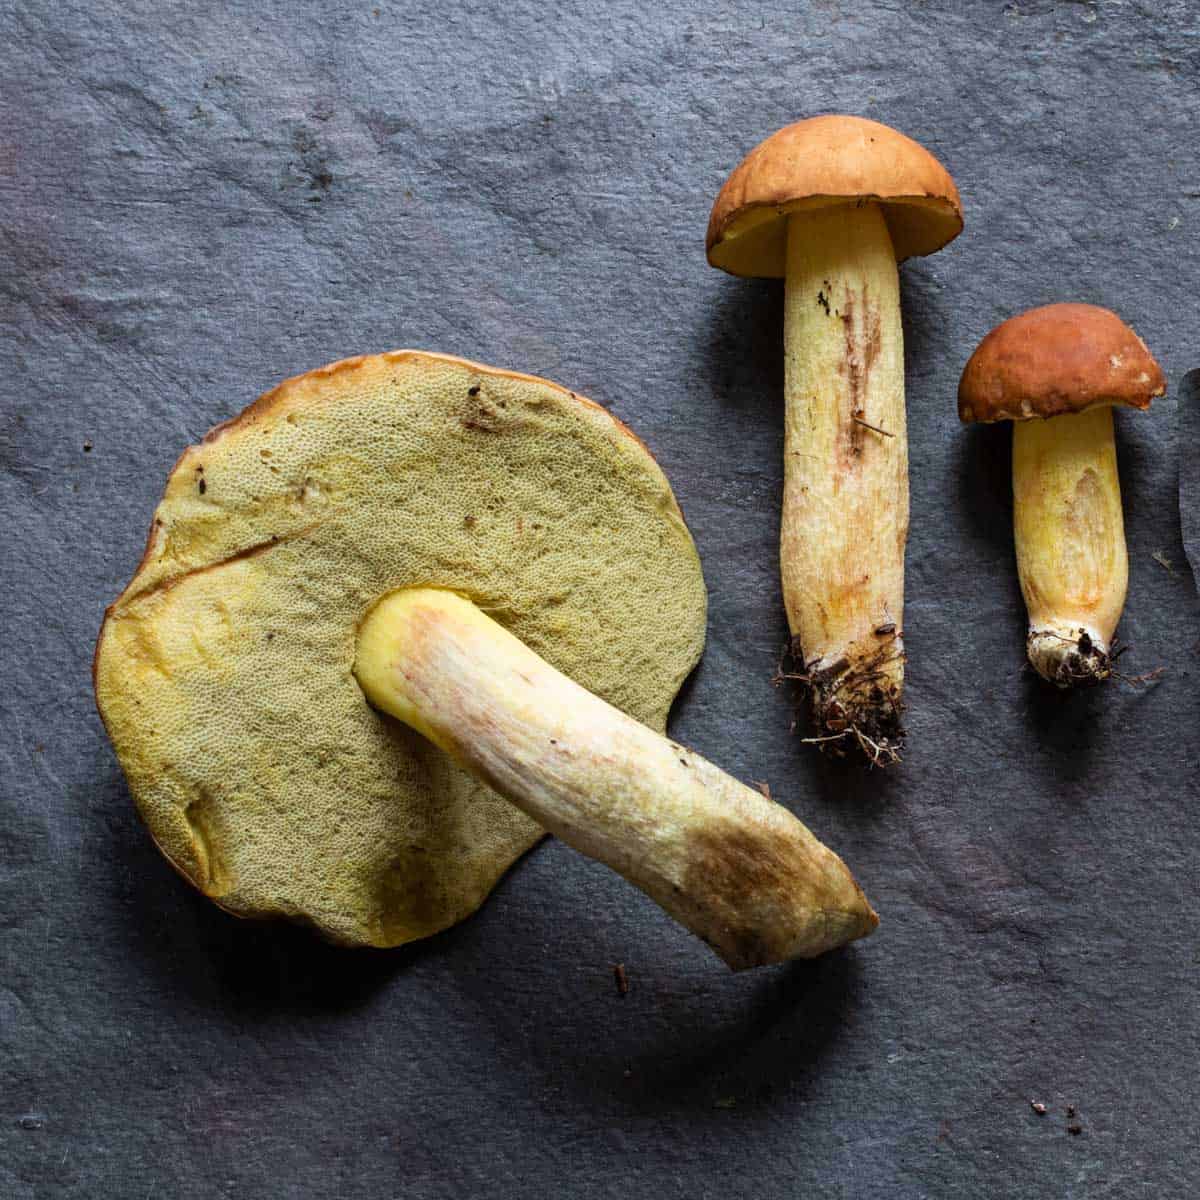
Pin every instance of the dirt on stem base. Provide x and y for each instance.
(854, 701)
(1069, 662)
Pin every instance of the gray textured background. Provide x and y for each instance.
(198, 200)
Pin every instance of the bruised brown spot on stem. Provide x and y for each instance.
(757, 885)
(863, 337)
(744, 872)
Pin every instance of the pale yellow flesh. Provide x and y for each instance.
(845, 501)
(730, 865)
(1070, 535)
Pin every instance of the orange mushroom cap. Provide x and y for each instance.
(1061, 358)
(823, 161)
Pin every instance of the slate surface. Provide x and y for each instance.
(198, 200)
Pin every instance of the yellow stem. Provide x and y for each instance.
(1070, 541)
(730, 865)
(845, 503)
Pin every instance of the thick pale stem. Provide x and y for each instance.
(1070, 539)
(730, 865)
(845, 501)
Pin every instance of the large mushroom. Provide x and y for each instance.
(502, 565)
(1057, 372)
(831, 204)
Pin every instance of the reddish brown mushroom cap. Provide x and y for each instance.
(1061, 358)
(823, 161)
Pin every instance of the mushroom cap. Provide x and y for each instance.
(1061, 358)
(824, 161)
(223, 671)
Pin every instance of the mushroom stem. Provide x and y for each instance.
(845, 499)
(1070, 540)
(730, 865)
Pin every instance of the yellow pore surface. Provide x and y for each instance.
(223, 672)
(1067, 522)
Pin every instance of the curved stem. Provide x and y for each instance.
(730, 865)
(845, 503)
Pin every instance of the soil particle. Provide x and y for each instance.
(621, 979)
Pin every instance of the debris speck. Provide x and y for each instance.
(1160, 557)
(857, 418)
(1173, 223)
(621, 978)
(765, 788)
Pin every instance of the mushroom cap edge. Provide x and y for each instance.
(1054, 360)
(826, 160)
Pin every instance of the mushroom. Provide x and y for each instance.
(1058, 371)
(832, 204)
(500, 563)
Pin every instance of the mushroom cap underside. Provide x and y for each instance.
(1055, 360)
(223, 671)
(823, 161)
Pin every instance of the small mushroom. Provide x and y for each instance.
(501, 564)
(831, 204)
(1058, 371)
